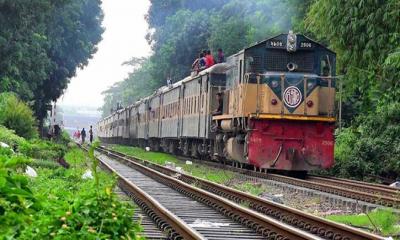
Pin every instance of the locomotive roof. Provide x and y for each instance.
(283, 37)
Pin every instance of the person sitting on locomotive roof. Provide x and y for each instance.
(199, 64)
(209, 59)
(220, 56)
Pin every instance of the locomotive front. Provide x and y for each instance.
(279, 105)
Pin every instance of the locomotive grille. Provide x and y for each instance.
(277, 61)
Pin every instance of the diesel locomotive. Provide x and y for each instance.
(278, 109)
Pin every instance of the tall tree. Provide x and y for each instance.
(42, 43)
(364, 34)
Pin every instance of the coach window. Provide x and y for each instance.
(174, 108)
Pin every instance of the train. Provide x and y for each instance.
(277, 98)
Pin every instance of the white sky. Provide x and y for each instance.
(123, 38)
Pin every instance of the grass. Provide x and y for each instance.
(90, 210)
(197, 170)
(155, 157)
(252, 188)
(385, 220)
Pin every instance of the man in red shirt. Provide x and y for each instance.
(209, 59)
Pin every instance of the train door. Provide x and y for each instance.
(203, 101)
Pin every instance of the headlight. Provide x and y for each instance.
(310, 85)
(274, 83)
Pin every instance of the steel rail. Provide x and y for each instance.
(315, 225)
(373, 188)
(345, 191)
(166, 220)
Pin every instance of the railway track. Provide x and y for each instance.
(373, 188)
(315, 226)
(150, 229)
(186, 211)
(367, 192)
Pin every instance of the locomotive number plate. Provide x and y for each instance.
(276, 43)
(305, 45)
(292, 97)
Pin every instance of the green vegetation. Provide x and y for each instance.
(365, 35)
(42, 43)
(9, 137)
(253, 188)
(197, 170)
(16, 115)
(384, 221)
(58, 203)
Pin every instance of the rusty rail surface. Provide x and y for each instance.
(373, 188)
(315, 225)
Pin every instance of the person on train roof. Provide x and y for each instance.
(199, 64)
(220, 56)
(209, 59)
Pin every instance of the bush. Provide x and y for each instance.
(371, 148)
(45, 150)
(16, 115)
(17, 202)
(8, 136)
(75, 208)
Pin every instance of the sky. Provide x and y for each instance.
(123, 38)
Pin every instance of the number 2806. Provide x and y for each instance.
(305, 44)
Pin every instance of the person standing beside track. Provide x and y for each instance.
(91, 134)
(83, 135)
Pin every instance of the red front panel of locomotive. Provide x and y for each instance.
(291, 145)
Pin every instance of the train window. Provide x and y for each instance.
(240, 71)
(190, 105)
(325, 66)
(231, 74)
(195, 104)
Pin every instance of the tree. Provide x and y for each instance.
(42, 43)
(365, 35)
